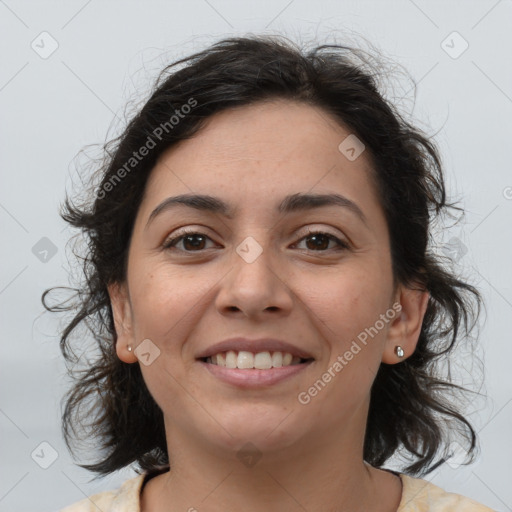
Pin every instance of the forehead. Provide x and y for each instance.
(278, 130)
(254, 155)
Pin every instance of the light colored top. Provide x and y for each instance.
(418, 495)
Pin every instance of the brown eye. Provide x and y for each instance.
(319, 241)
(191, 242)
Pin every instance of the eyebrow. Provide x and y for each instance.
(291, 203)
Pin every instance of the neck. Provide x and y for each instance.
(312, 475)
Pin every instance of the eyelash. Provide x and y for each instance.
(342, 245)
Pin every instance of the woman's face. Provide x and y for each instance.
(252, 270)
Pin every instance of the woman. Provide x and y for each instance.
(267, 310)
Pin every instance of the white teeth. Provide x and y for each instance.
(247, 360)
(277, 359)
(231, 359)
(262, 361)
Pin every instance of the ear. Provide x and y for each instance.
(406, 327)
(122, 312)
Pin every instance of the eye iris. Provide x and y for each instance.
(196, 244)
(320, 241)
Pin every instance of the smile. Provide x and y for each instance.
(252, 370)
(245, 360)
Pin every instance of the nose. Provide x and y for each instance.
(255, 288)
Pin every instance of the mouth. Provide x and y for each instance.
(246, 363)
(245, 360)
(253, 370)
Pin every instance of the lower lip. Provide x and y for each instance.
(251, 378)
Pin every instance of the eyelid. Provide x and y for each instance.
(181, 232)
(319, 229)
(315, 229)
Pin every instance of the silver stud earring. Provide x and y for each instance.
(399, 351)
(129, 348)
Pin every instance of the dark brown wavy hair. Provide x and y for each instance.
(412, 409)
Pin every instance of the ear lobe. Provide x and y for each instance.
(121, 311)
(406, 327)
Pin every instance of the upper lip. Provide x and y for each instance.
(259, 345)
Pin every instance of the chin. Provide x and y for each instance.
(261, 427)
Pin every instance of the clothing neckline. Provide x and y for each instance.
(146, 477)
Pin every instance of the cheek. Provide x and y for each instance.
(165, 305)
(168, 304)
(161, 301)
(347, 314)
(347, 302)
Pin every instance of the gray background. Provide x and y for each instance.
(108, 53)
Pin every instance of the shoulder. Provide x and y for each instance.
(419, 495)
(124, 499)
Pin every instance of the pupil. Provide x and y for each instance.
(189, 240)
(318, 241)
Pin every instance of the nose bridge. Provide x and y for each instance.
(252, 262)
(253, 284)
